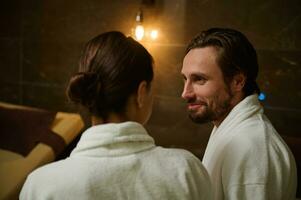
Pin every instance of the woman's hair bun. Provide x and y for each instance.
(83, 87)
(111, 68)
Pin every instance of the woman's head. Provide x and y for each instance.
(112, 68)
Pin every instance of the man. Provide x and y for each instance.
(245, 156)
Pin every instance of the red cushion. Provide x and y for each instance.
(22, 129)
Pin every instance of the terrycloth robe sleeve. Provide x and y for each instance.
(27, 191)
(198, 181)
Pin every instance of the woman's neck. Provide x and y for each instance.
(112, 118)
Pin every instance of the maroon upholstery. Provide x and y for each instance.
(22, 129)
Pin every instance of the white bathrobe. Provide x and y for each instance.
(247, 159)
(120, 161)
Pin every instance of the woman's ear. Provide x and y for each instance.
(238, 82)
(142, 94)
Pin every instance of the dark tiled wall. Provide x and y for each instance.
(41, 43)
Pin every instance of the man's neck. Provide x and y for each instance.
(234, 101)
(219, 121)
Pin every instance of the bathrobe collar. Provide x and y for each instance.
(221, 135)
(113, 139)
(242, 111)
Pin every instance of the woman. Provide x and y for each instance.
(116, 158)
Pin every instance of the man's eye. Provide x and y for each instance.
(200, 80)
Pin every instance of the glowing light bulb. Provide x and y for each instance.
(154, 34)
(139, 32)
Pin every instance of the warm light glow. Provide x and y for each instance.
(154, 34)
(139, 32)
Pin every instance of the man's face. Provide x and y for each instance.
(207, 95)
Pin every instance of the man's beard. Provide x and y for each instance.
(216, 111)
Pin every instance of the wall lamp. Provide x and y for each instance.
(141, 31)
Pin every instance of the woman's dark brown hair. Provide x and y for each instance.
(110, 70)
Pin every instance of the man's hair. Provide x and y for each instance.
(236, 55)
(110, 70)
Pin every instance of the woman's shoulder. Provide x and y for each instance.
(183, 166)
(46, 171)
(179, 156)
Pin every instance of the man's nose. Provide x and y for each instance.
(187, 91)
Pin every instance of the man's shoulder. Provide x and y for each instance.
(254, 127)
(255, 138)
(253, 133)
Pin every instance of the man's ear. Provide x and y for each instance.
(238, 82)
(141, 94)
